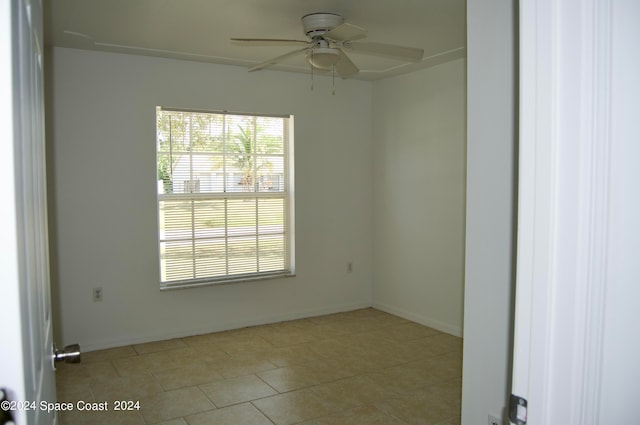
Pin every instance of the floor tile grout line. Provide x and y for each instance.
(263, 413)
(269, 385)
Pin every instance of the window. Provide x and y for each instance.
(225, 197)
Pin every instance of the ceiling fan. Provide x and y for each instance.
(329, 38)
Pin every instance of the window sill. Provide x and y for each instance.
(240, 279)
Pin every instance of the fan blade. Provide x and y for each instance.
(345, 68)
(268, 42)
(345, 32)
(276, 60)
(388, 50)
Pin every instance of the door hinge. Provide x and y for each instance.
(5, 408)
(518, 410)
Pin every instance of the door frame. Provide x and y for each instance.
(563, 207)
(11, 350)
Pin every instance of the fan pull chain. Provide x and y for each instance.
(312, 70)
(333, 75)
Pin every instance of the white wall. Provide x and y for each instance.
(101, 127)
(491, 141)
(419, 195)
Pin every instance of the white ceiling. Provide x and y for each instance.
(200, 29)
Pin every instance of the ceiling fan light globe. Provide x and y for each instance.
(323, 57)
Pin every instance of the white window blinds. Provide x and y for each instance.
(225, 196)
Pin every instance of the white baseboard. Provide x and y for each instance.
(218, 327)
(418, 318)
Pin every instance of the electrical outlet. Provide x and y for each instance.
(97, 295)
(494, 420)
(349, 267)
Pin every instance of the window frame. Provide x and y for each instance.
(286, 194)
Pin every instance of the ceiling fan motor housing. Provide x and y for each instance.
(316, 24)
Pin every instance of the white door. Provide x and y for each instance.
(577, 321)
(26, 370)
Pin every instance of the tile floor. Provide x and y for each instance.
(359, 367)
